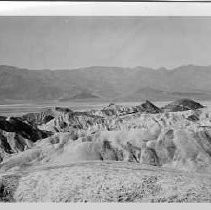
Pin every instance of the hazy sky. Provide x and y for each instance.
(71, 42)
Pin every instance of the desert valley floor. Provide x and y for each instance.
(134, 152)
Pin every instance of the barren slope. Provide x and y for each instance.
(106, 182)
(141, 153)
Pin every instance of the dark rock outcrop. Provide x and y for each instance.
(4, 145)
(17, 125)
(148, 107)
(17, 135)
(63, 109)
(193, 118)
(182, 105)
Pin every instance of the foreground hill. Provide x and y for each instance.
(105, 83)
(98, 181)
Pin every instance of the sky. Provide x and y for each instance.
(74, 42)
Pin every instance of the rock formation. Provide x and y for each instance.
(17, 135)
(39, 118)
(148, 107)
(145, 135)
(182, 105)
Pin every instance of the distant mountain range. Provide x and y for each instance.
(106, 84)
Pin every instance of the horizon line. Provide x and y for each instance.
(99, 66)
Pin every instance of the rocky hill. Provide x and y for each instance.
(88, 151)
(144, 133)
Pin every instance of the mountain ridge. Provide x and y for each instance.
(107, 83)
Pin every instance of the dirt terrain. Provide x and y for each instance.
(105, 182)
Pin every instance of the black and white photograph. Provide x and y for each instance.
(100, 107)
